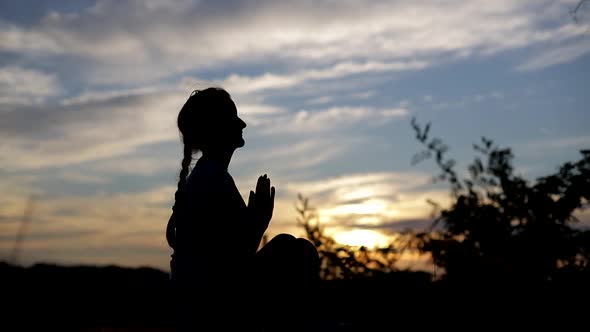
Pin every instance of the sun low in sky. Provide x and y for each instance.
(90, 91)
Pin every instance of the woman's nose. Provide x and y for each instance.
(242, 123)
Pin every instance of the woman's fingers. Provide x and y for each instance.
(262, 201)
(263, 186)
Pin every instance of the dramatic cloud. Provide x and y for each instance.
(369, 200)
(558, 55)
(139, 41)
(20, 86)
(335, 118)
(243, 85)
(294, 156)
(57, 135)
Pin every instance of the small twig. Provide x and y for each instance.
(22, 230)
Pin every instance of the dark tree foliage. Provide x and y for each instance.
(501, 227)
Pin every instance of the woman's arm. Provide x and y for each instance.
(221, 221)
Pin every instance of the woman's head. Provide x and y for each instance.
(209, 121)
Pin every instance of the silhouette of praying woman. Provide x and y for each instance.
(220, 278)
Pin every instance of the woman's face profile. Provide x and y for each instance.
(226, 132)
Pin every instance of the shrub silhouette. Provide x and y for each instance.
(502, 227)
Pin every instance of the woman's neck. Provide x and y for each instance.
(221, 157)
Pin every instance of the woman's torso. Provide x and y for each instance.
(210, 225)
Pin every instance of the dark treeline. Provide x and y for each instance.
(83, 297)
(508, 251)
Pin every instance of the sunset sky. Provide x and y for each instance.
(90, 91)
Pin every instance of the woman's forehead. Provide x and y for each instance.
(225, 109)
(231, 107)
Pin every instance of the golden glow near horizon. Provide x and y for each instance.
(361, 237)
(370, 199)
(369, 209)
(366, 207)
